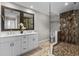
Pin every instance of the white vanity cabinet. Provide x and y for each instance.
(24, 43)
(10, 48)
(29, 42)
(33, 42)
(17, 45)
(35, 39)
(5, 49)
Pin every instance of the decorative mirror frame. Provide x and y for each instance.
(21, 18)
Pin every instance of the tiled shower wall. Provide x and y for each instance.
(69, 28)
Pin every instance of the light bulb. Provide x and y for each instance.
(66, 4)
(31, 6)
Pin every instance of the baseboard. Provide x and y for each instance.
(43, 41)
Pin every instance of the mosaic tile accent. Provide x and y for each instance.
(66, 49)
(69, 26)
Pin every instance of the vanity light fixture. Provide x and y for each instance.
(31, 6)
(66, 3)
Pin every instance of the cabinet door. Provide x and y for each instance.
(11, 48)
(31, 41)
(16, 47)
(35, 41)
(5, 49)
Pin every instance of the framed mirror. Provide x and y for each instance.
(12, 18)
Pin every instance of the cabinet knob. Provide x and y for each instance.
(12, 44)
(33, 39)
(24, 48)
(24, 41)
(24, 37)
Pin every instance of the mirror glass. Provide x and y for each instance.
(12, 19)
(28, 21)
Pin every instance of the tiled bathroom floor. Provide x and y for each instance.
(66, 49)
(42, 50)
(61, 49)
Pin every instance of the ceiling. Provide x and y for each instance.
(56, 7)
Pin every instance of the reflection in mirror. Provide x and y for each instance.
(12, 19)
(28, 21)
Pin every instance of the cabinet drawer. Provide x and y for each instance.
(24, 48)
(25, 45)
(24, 41)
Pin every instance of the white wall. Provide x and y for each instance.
(0, 16)
(55, 23)
(43, 26)
(55, 27)
(41, 21)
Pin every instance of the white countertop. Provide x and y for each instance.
(7, 38)
(28, 33)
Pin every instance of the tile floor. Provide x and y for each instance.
(42, 50)
(61, 49)
(66, 49)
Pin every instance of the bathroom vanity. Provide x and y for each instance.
(16, 44)
(13, 45)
